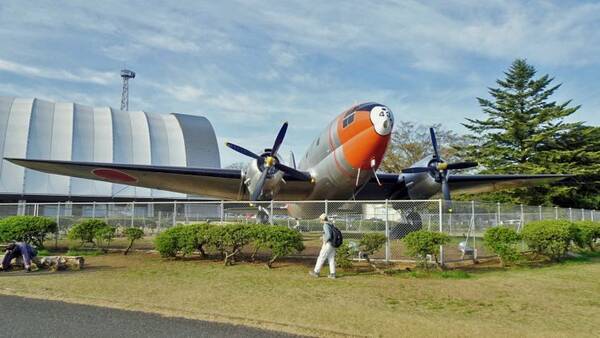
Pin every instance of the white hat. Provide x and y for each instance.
(323, 217)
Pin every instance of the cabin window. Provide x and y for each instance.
(348, 119)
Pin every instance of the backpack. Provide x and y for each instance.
(336, 236)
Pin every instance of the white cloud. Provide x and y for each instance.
(283, 55)
(183, 93)
(84, 75)
(167, 42)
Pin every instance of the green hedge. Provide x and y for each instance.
(586, 234)
(421, 243)
(228, 240)
(503, 242)
(132, 234)
(549, 238)
(171, 241)
(31, 229)
(93, 231)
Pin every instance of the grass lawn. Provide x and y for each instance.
(556, 300)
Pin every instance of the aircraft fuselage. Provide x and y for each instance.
(347, 153)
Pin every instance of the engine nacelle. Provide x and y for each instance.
(422, 185)
(272, 182)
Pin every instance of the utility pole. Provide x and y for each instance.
(126, 74)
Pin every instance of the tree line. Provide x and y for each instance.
(523, 131)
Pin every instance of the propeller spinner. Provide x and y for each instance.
(439, 169)
(268, 163)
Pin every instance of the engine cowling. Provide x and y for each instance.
(272, 182)
(421, 185)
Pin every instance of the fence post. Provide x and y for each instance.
(57, 226)
(94, 209)
(473, 220)
(522, 218)
(540, 209)
(222, 211)
(570, 214)
(326, 208)
(498, 214)
(592, 214)
(174, 213)
(387, 234)
(132, 212)
(555, 212)
(271, 213)
(582, 214)
(185, 212)
(441, 230)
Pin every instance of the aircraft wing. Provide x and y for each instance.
(213, 182)
(393, 186)
(472, 184)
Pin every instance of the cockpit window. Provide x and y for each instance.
(348, 118)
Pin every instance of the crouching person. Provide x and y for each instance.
(331, 240)
(16, 249)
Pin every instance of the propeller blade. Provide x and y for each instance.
(293, 172)
(242, 150)
(416, 170)
(446, 193)
(445, 189)
(436, 154)
(279, 139)
(293, 159)
(259, 185)
(462, 165)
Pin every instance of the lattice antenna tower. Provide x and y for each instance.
(126, 74)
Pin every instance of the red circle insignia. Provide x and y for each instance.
(114, 175)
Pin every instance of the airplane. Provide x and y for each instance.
(340, 164)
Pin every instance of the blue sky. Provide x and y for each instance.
(250, 65)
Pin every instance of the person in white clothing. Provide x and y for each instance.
(327, 250)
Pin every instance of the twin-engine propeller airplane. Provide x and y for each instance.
(340, 164)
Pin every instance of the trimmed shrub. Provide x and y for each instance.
(586, 234)
(282, 241)
(85, 231)
(230, 239)
(371, 243)
(201, 235)
(260, 238)
(421, 243)
(549, 238)
(132, 235)
(343, 256)
(503, 242)
(30, 229)
(104, 235)
(167, 242)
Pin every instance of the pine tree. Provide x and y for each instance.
(521, 121)
(525, 132)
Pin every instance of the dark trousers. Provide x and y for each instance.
(8, 256)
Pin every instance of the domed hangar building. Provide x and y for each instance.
(36, 129)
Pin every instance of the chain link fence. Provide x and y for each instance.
(394, 218)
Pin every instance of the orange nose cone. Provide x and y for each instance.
(365, 147)
(365, 134)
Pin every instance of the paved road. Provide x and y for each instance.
(22, 317)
